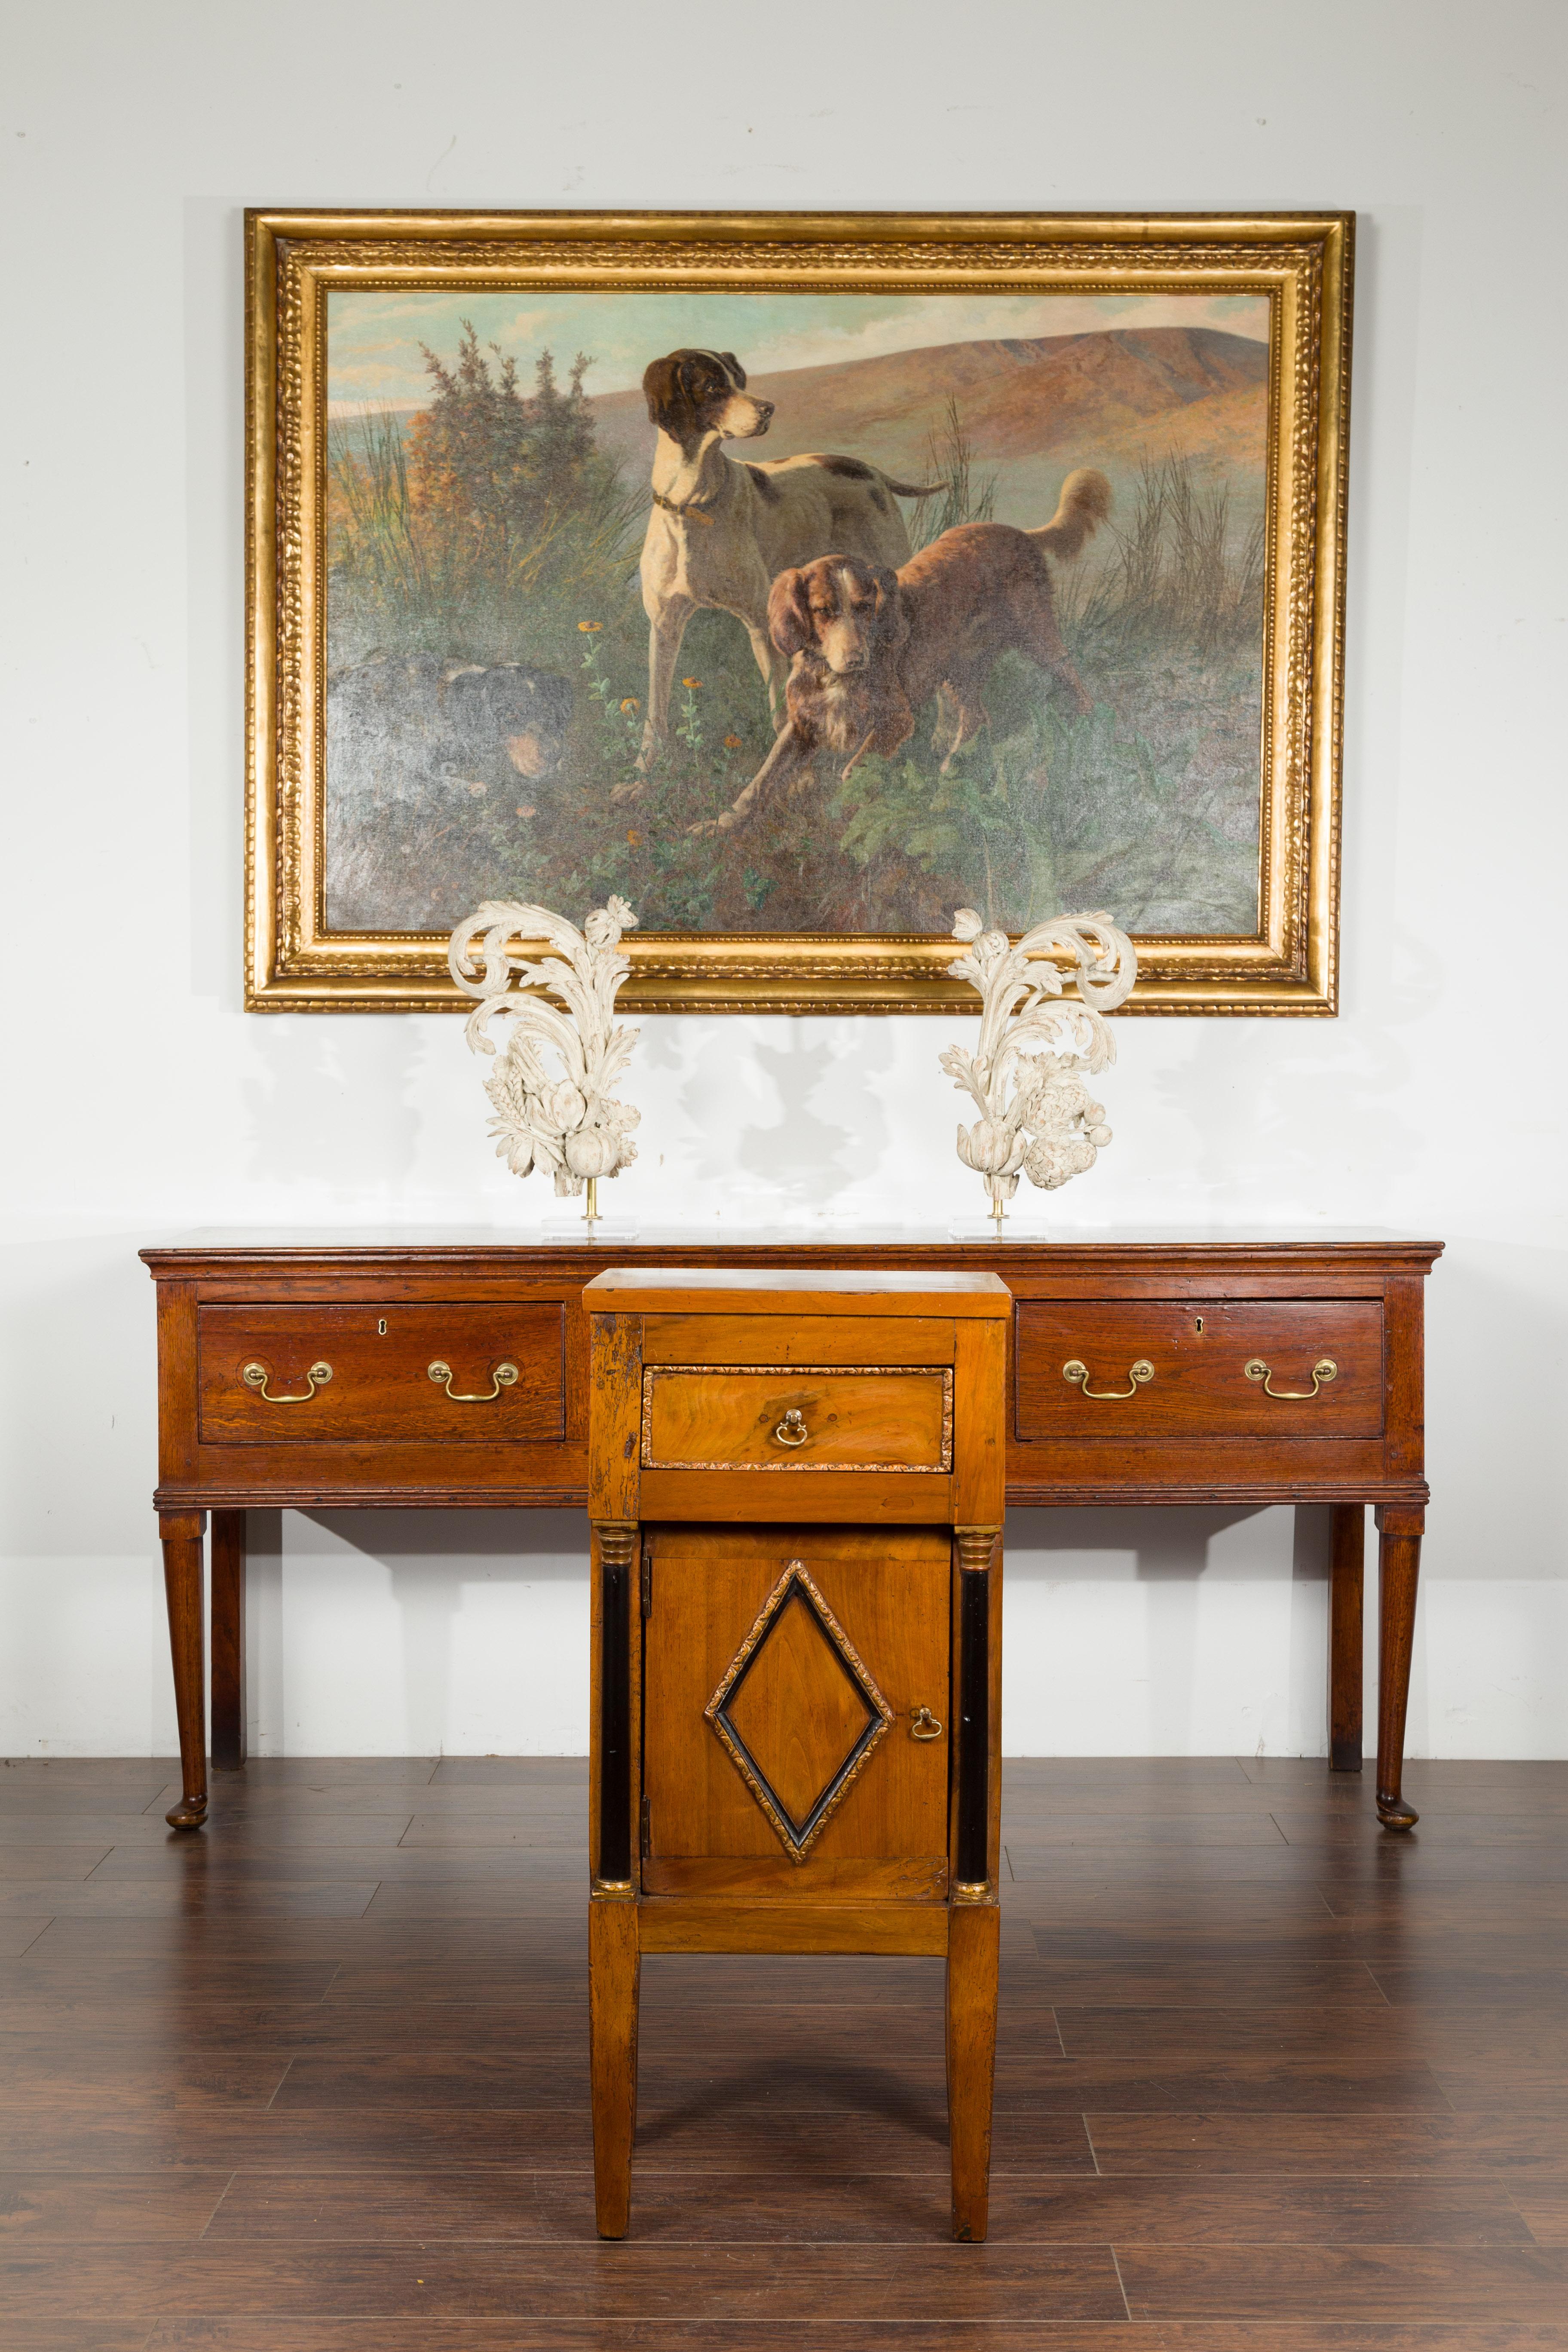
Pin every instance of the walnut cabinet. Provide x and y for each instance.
(795, 1487)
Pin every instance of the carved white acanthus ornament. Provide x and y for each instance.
(1038, 1118)
(562, 1121)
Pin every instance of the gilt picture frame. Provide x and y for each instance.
(1084, 479)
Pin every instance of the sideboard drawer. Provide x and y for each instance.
(809, 1417)
(499, 1376)
(1195, 1368)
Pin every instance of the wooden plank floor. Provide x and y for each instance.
(315, 2079)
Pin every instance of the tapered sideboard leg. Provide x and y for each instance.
(182, 1538)
(1399, 1564)
(974, 1941)
(228, 1641)
(1348, 1541)
(613, 1966)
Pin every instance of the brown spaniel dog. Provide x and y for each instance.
(869, 646)
(721, 530)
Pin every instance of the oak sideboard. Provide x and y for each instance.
(423, 1373)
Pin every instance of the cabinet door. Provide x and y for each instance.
(795, 1712)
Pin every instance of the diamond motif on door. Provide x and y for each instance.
(798, 1711)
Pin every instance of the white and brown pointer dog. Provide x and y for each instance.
(868, 646)
(721, 530)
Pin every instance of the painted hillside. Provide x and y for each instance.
(1031, 408)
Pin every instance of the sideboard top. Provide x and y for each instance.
(756, 1249)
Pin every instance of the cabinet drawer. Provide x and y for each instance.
(1192, 1368)
(380, 1384)
(807, 1417)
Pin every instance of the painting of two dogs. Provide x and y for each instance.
(846, 608)
(851, 632)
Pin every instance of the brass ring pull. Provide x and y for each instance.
(1324, 1370)
(923, 1724)
(1137, 1373)
(503, 1377)
(256, 1376)
(792, 1430)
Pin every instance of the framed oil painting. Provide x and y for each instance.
(800, 579)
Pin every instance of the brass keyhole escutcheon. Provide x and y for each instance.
(924, 1725)
(792, 1430)
(381, 1329)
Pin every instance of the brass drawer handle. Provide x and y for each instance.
(923, 1724)
(254, 1376)
(792, 1430)
(1324, 1370)
(503, 1377)
(1137, 1373)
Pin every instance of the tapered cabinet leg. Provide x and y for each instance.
(974, 1943)
(1348, 1545)
(182, 1538)
(228, 1641)
(612, 1972)
(1399, 1567)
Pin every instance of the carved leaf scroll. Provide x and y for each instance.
(563, 1119)
(1036, 1116)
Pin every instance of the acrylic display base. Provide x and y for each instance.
(985, 1229)
(602, 1229)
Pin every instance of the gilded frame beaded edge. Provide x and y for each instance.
(1304, 261)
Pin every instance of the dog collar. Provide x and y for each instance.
(691, 512)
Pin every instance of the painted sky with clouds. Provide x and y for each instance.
(373, 338)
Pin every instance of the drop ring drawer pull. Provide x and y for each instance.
(1137, 1373)
(503, 1377)
(254, 1376)
(792, 1430)
(1324, 1370)
(923, 1724)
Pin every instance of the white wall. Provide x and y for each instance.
(142, 1102)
